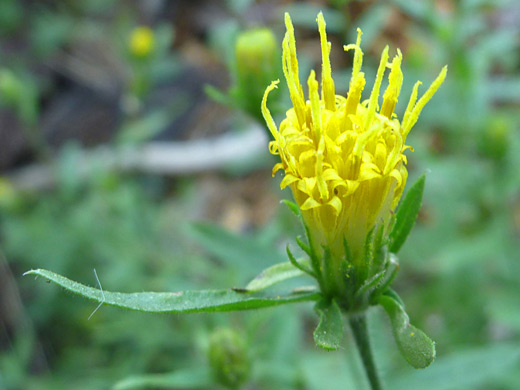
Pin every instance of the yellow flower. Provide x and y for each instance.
(141, 41)
(343, 157)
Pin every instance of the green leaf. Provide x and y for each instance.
(329, 332)
(187, 379)
(218, 96)
(302, 265)
(246, 253)
(468, 369)
(178, 302)
(407, 214)
(276, 274)
(293, 207)
(415, 346)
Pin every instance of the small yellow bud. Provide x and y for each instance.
(141, 41)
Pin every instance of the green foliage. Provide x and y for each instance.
(459, 270)
(276, 274)
(175, 302)
(329, 332)
(187, 379)
(248, 254)
(406, 215)
(465, 369)
(415, 346)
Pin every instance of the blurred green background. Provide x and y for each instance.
(92, 92)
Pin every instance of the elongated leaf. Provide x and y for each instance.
(407, 214)
(329, 332)
(238, 251)
(177, 302)
(187, 379)
(415, 346)
(293, 207)
(276, 274)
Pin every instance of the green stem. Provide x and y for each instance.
(358, 324)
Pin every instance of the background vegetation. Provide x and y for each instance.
(79, 106)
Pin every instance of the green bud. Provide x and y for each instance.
(19, 94)
(494, 140)
(10, 87)
(8, 196)
(256, 52)
(228, 358)
(257, 64)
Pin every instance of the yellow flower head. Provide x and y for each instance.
(342, 156)
(141, 41)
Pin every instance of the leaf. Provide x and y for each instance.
(293, 207)
(415, 346)
(329, 332)
(302, 265)
(186, 379)
(248, 254)
(407, 214)
(276, 274)
(218, 96)
(469, 369)
(177, 302)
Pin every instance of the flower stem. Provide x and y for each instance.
(358, 324)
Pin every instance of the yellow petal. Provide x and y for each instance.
(327, 84)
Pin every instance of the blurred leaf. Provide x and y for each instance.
(150, 125)
(176, 302)
(503, 89)
(331, 371)
(245, 253)
(415, 346)
(463, 369)
(304, 15)
(218, 96)
(276, 274)
(372, 23)
(198, 378)
(406, 215)
(329, 332)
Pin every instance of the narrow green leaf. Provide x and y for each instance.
(292, 206)
(407, 214)
(177, 302)
(218, 96)
(199, 378)
(370, 284)
(304, 247)
(415, 346)
(302, 264)
(329, 332)
(276, 274)
(246, 253)
(383, 284)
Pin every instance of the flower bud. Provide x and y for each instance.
(141, 41)
(10, 87)
(494, 141)
(257, 63)
(343, 158)
(228, 358)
